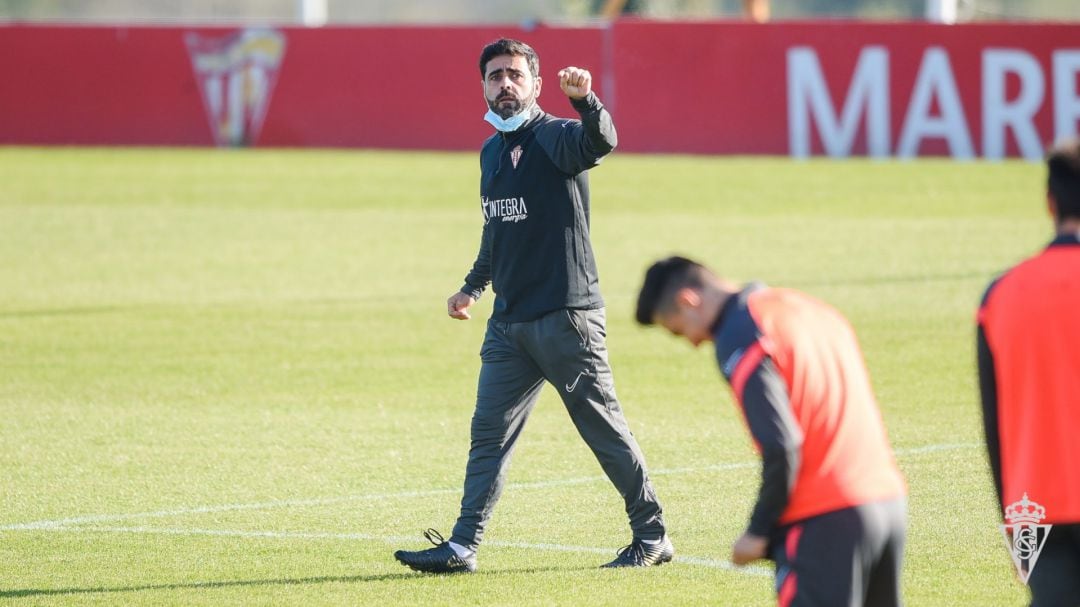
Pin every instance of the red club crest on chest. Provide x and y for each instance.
(515, 155)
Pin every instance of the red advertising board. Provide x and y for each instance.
(838, 88)
(847, 88)
(414, 87)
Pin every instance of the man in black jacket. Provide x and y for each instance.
(548, 318)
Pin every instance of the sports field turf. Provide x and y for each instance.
(228, 377)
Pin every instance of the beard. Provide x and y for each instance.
(507, 105)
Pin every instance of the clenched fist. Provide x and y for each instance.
(457, 306)
(575, 82)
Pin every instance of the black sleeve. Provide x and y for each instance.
(768, 413)
(579, 146)
(988, 392)
(480, 276)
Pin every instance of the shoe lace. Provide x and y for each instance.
(434, 537)
(634, 551)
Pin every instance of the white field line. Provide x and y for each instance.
(67, 523)
(686, 560)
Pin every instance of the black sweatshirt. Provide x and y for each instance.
(534, 194)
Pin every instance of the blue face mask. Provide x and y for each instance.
(513, 123)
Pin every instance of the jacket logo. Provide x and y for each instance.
(515, 155)
(732, 362)
(504, 209)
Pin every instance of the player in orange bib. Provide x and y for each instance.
(832, 507)
(1029, 373)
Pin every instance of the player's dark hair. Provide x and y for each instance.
(509, 46)
(662, 281)
(1063, 178)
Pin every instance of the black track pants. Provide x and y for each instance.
(567, 349)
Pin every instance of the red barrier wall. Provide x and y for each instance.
(403, 88)
(787, 88)
(368, 87)
(727, 88)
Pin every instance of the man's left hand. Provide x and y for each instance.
(748, 548)
(575, 82)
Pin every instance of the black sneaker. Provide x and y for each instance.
(440, 559)
(640, 554)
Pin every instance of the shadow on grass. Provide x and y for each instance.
(72, 311)
(346, 302)
(348, 579)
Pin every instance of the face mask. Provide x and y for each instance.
(508, 125)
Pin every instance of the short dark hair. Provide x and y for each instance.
(509, 46)
(662, 281)
(1063, 177)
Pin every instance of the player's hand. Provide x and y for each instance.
(575, 82)
(457, 305)
(748, 549)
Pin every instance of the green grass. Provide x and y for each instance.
(188, 328)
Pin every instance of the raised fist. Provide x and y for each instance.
(575, 82)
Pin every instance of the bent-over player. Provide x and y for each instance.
(831, 509)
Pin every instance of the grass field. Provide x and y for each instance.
(228, 377)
